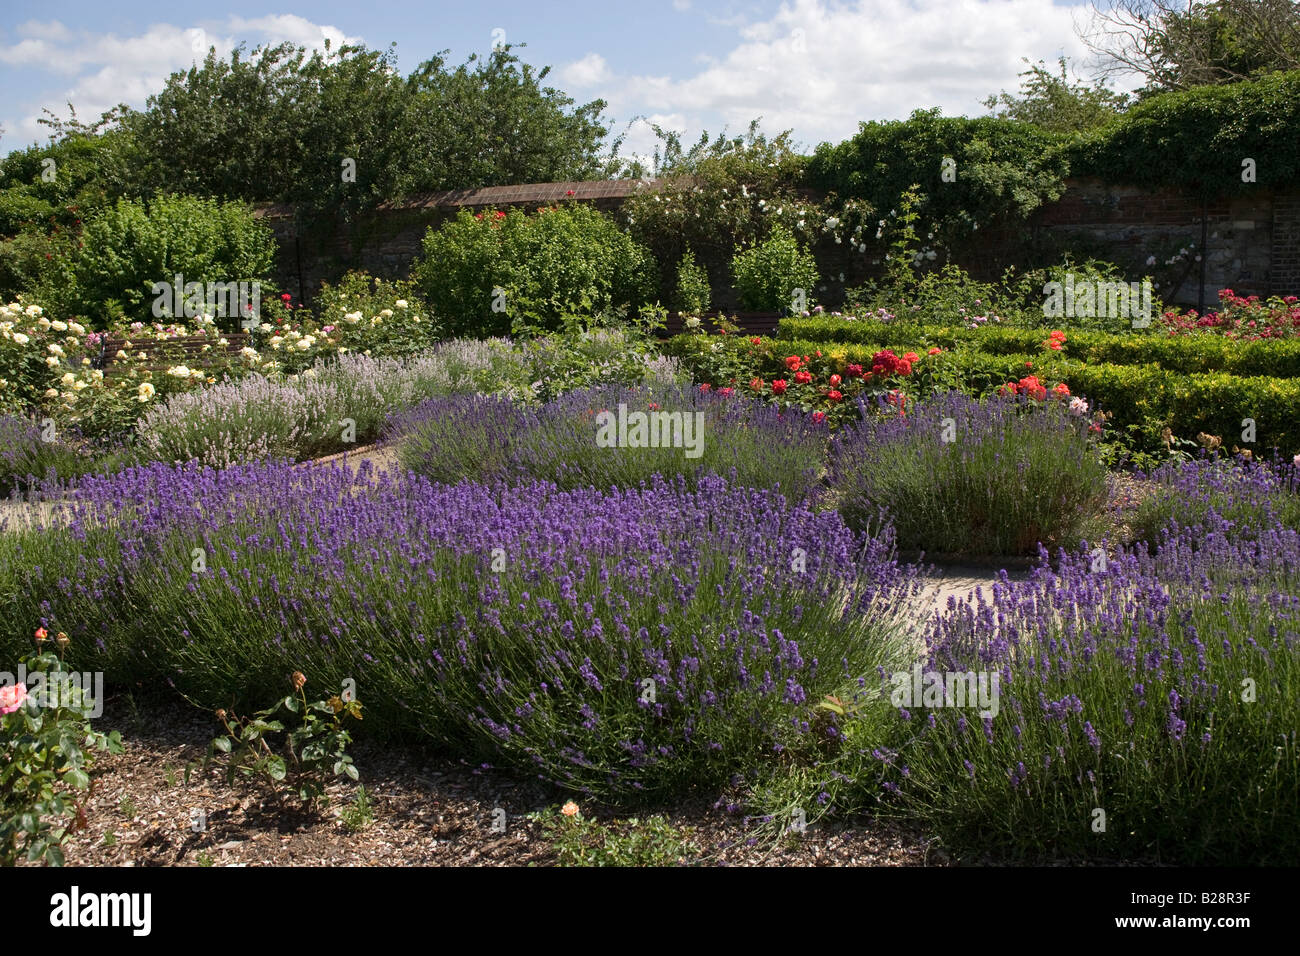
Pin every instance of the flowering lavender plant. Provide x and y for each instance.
(973, 477)
(1136, 695)
(621, 642)
(568, 440)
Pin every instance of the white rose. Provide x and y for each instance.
(180, 371)
(80, 386)
(33, 310)
(386, 313)
(68, 379)
(145, 392)
(59, 326)
(52, 362)
(77, 327)
(401, 303)
(21, 339)
(352, 318)
(55, 349)
(51, 393)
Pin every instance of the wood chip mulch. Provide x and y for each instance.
(427, 811)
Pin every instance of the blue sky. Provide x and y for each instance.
(814, 66)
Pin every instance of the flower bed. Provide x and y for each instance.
(650, 640)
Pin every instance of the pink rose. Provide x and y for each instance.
(12, 697)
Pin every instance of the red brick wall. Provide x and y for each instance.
(1254, 240)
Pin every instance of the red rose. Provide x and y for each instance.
(835, 381)
(802, 378)
(570, 193)
(911, 357)
(756, 384)
(779, 387)
(819, 417)
(833, 395)
(855, 371)
(705, 387)
(793, 363)
(285, 297)
(1062, 390)
(725, 391)
(934, 351)
(756, 341)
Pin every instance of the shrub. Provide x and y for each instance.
(1004, 170)
(770, 274)
(958, 476)
(375, 316)
(1145, 714)
(128, 247)
(448, 440)
(27, 457)
(1240, 497)
(724, 194)
(234, 422)
(46, 747)
(693, 292)
(558, 262)
(644, 642)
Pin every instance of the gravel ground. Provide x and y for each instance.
(427, 811)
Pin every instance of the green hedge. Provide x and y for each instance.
(1198, 138)
(1141, 398)
(1184, 354)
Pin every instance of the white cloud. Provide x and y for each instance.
(590, 71)
(819, 68)
(95, 72)
(681, 5)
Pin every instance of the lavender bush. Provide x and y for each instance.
(752, 442)
(317, 411)
(625, 642)
(1252, 496)
(972, 477)
(26, 458)
(1148, 708)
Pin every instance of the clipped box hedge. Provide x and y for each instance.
(1141, 397)
(1186, 354)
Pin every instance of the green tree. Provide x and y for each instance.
(495, 124)
(1052, 102)
(1177, 45)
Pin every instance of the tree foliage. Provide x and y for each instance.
(1177, 45)
(1053, 102)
